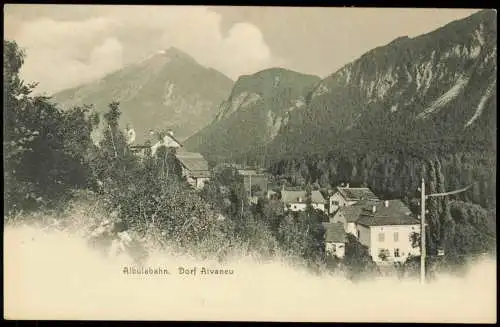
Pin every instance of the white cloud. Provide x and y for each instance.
(242, 51)
(63, 54)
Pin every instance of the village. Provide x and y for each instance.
(385, 227)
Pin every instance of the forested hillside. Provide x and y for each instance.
(257, 108)
(435, 92)
(379, 119)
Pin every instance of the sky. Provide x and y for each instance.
(70, 45)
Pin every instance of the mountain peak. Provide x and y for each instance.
(176, 53)
(168, 54)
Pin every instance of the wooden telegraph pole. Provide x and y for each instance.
(422, 233)
(250, 184)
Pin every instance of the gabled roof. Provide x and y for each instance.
(195, 163)
(294, 196)
(334, 232)
(396, 213)
(170, 141)
(353, 212)
(356, 193)
(317, 197)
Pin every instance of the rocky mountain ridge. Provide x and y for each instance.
(166, 90)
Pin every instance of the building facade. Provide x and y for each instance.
(194, 168)
(334, 239)
(347, 196)
(388, 232)
(296, 200)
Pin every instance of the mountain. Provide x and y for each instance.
(258, 106)
(167, 90)
(436, 90)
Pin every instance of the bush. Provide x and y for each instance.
(45, 148)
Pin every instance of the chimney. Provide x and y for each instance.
(347, 185)
(386, 203)
(171, 133)
(374, 209)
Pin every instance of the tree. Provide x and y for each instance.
(357, 261)
(45, 148)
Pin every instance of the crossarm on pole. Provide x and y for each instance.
(451, 192)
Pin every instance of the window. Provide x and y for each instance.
(381, 237)
(396, 253)
(336, 203)
(334, 247)
(396, 236)
(358, 233)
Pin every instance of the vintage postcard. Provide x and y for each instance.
(249, 163)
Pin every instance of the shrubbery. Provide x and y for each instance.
(45, 148)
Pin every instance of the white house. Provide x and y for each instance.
(335, 239)
(348, 215)
(168, 141)
(386, 230)
(194, 168)
(348, 196)
(296, 200)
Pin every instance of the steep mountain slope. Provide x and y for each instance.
(438, 88)
(167, 90)
(258, 106)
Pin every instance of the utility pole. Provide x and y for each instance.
(423, 248)
(422, 233)
(250, 184)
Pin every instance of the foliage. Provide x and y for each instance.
(301, 234)
(45, 148)
(357, 261)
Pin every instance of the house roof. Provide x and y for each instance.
(195, 163)
(317, 197)
(170, 141)
(357, 193)
(334, 232)
(353, 212)
(397, 213)
(294, 196)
